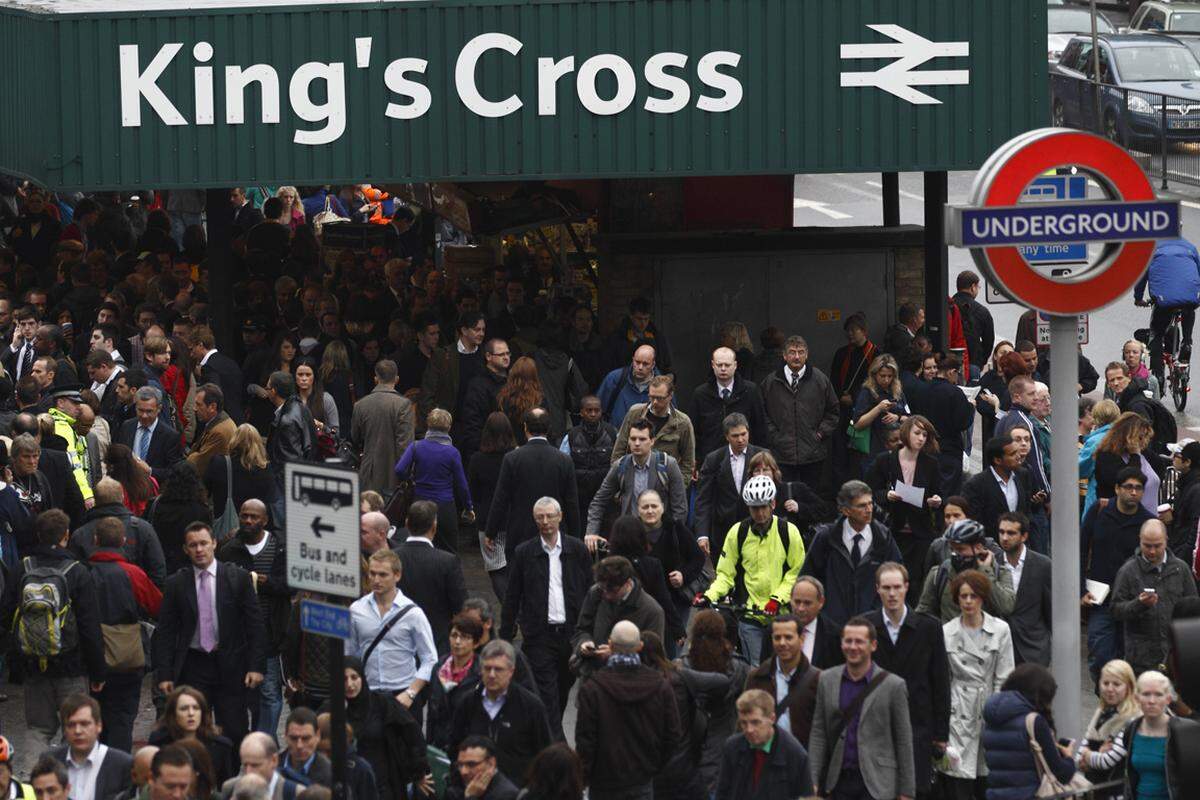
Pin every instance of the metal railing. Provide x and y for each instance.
(1161, 131)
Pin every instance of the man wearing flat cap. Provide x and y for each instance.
(66, 402)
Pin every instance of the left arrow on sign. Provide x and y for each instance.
(910, 50)
(318, 528)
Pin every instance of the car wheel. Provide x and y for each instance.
(1112, 129)
(1058, 114)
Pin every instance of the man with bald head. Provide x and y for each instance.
(725, 393)
(625, 744)
(260, 759)
(1145, 592)
(139, 774)
(262, 554)
(627, 386)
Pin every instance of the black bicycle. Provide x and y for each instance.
(1172, 372)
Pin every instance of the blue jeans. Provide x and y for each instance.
(270, 699)
(751, 636)
(1105, 639)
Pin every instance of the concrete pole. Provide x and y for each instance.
(1064, 515)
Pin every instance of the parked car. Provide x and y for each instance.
(1138, 72)
(1062, 22)
(1156, 16)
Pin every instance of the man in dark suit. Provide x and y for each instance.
(533, 470)
(910, 317)
(911, 646)
(819, 637)
(725, 393)
(218, 368)
(547, 627)
(431, 578)
(1001, 487)
(218, 647)
(1030, 620)
(245, 215)
(719, 503)
(103, 771)
(796, 694)
(149, 437)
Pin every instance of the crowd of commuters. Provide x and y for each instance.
(782, 583)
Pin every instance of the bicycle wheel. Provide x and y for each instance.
(1179, 388)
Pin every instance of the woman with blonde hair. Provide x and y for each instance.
(736, 337)
(522, 391)
(1118, 706)
(293, 208)
(1104, 414)
(1144, 741)
(247, 460)
(1125, 445)
(434, 466)
(880, 403)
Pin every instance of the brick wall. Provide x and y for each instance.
(910, 276)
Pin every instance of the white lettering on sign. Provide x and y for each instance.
(1081, 222)
(410, 96)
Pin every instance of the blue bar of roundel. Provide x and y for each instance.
(1165, 223)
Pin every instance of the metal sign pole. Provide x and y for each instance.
(337, 718)
(1096, 68)
(1064, 516)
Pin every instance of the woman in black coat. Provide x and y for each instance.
(187, 715)
(182, 502)
(674, 545)
(628, 539)
(251, 479)
(483, 473)
(914, 464)
(993, 385)
(454, 680)
(386, 734)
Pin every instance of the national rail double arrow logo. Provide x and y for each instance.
(910, 50)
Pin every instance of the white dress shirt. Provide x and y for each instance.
(894, 630)
(211, 569)
(1009, 488)
(1018, 569)
(848, 534)
(99, 388)
(207, 356)
(781, 692)
(462, 348)
(737, 465)
(82, 775)
(722, 388)
(808, 638)
(556, 603)
(795, 376)
(494, 707)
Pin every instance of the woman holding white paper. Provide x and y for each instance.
(905, 481)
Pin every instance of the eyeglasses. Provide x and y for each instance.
(1133, 487)
(502, 354)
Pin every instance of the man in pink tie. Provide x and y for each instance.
(210, 632)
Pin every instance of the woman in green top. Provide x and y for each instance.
(1145, 739)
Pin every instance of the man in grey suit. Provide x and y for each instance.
(1030, 617)
(719, 503)
(861, 741)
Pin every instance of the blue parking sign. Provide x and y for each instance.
(324, 619)
(1047, 189)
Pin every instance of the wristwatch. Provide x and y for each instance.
(411, 694)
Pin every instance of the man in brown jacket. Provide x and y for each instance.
(671, 429)
(382, 430)
(218, 428)
(789, 678)
(628, 725)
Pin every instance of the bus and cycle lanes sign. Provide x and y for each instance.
(323, 545)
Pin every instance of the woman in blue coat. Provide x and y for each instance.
(434, 466)
(1012, 771)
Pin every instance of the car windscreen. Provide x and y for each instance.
(1186, 21)
(1075, 20)
(1157, 63)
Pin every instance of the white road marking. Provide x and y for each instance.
(903, 193)
(1189, 204)
(820, 208)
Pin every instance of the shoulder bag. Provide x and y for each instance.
(383, 631)
(1048, 785)
(228, 520)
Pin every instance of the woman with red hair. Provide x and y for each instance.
(520, 393)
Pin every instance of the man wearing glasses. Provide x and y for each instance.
(1108, 535)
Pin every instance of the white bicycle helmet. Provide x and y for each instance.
(758, 491)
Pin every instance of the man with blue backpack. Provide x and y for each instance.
(1174, 283)
(56, 627)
